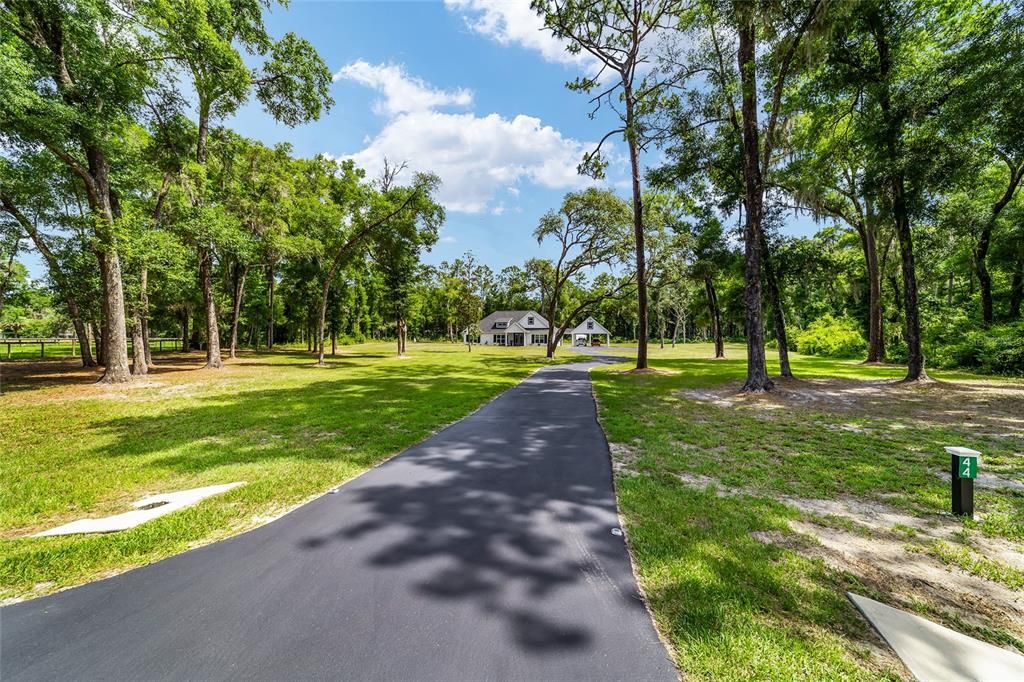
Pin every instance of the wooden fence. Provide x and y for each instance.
(155, 343)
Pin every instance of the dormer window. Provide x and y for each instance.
(590, 324)
(529, 320)
(501, 325)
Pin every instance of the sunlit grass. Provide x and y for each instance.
(734, 607)
(289, 429)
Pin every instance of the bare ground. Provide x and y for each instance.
(885, 548)
(992, 408)
(174, 374)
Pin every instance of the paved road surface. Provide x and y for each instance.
(484, 553)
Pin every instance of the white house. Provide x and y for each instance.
(583, 335)
(512, 328)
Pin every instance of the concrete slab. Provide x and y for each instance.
(933, 652)
(146, 509)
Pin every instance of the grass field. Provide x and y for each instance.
(750, 517)
(290, 430)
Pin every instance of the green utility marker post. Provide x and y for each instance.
(963, 471)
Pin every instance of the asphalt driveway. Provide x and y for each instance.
(484, 553)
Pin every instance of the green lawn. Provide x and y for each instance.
(289, 429)
(711, 486)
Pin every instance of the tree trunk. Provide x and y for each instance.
(101, 351)
(236, 311)
(897, 299)
(144, 315)
(97, 338)
(9, 273)
(115, 340)
(213, 359)
(661, 321)
(184, 329)
(716, 317)
(270, 307)
(901, 216)
(984, 278)
(757, 372)
(139, 365)
(115, 344)
(552, 341)
(868, 233)
(80, 333)
(915, 356)
(1017, 287)
(985, 239)
(778, 313)
(323, 318)
(638, 228)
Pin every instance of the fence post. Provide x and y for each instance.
(42, 349)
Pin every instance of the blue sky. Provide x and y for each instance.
(473, 90)
(473, 93)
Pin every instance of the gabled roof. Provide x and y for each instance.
(488, 325)
(598, 327)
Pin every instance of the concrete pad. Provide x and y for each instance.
(933, 652)
(146, 509)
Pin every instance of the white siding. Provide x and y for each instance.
(590, 326)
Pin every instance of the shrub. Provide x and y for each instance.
(999, 350)
(832, 337)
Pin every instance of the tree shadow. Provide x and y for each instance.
(510, 511)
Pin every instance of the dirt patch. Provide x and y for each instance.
(174, 374)
(623, 458)
(913, 577)
(887, 549)
(992, 408)
(649, 370)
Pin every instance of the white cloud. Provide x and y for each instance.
(512, 22)
(476, 157)
(402, 93)
(448, 239)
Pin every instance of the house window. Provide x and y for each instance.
(540, 338)
(529, 320)
(501, 325)
(499, 339)
(590, 324)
